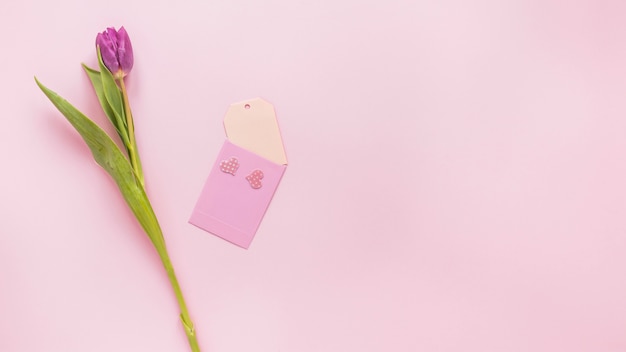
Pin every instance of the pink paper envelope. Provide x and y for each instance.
(245, 175)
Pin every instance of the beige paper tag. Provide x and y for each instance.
(252, 125)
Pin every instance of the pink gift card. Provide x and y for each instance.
(245, 175)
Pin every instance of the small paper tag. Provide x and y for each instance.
(252, 125)
(245, 175)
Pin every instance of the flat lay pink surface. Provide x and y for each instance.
(456, 178)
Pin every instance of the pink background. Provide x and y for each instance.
(457, 177)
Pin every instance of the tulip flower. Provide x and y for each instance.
(115, 59)
(116, 53)
(116, 50)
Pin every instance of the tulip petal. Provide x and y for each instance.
(108, 51)
(124, 51)
(111, 33)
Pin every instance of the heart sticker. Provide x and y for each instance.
(255, 179)
(229, 166)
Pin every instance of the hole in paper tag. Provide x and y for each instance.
(255, 179)
(230, 166)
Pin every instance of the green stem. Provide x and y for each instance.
(132, 145)
(133, 154)
(184, 312)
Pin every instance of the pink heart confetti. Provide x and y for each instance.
(230, 166)
(255, 179)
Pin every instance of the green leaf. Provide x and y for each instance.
(96, 82)
(110, 158)
(112, 93)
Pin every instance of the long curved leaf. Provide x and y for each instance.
(96, 82)
(112, 93)
(110, 158)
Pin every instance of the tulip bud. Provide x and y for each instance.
(116, 51)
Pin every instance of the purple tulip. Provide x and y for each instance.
(116, 51)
